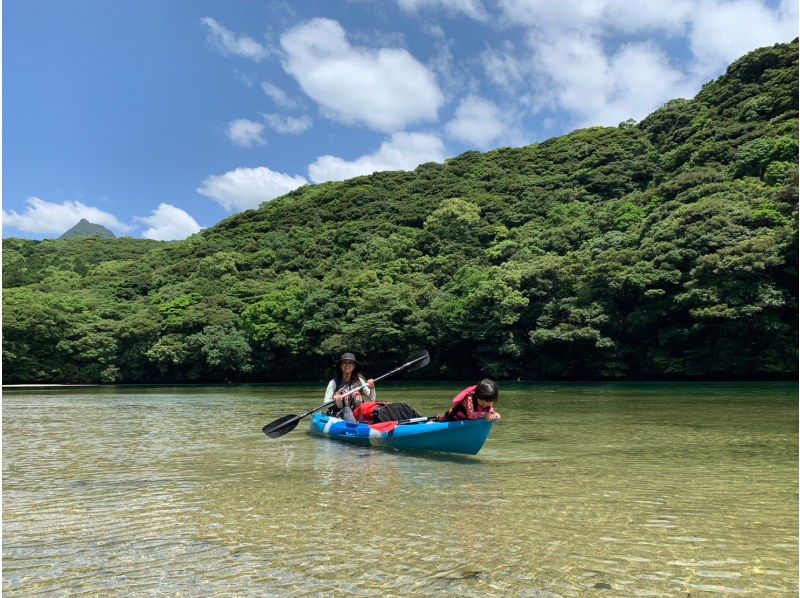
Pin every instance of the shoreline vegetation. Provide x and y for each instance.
(32, 385)
(416, 381)
(660, 250)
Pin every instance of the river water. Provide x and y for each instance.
(581, 489)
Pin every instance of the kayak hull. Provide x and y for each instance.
(464, 437)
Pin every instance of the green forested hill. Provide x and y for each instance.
(662, 249)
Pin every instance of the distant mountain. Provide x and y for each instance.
(84, 228)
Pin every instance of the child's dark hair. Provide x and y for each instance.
(487, 390)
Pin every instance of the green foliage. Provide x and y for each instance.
(662, 249)
(755, 157)
(781, 173)
(181, 313)
(276, 318)
(226, 351)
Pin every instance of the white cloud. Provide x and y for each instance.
(384, 89)
(731, 27)
(245, 188)
(277, 95)
(246, 133)
(477, 122)
(570, 69)
(470, 8)
(44, 217)
(168, 223)
(547, 15)
(288, 125)
(434, 30)
(605, 90)
(669, 17)
(504, 66)
(722, 31)
(454, 79)
(229, 43)
(595, 17)
(403, 151)
(572, 66)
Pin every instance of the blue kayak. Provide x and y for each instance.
(465, 437)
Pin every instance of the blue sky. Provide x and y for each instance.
(157, 118)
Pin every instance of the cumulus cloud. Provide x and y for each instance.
(572, 68)
(477, 122)
(44, 217)
(246, 133)
(403, 151)
(470, 8)
(384, 89)
(229, 43)
(605, 90)
(723, 31)
(288, 125)
(245, 188)
(168, 223)
(277, 95)
(571, 65)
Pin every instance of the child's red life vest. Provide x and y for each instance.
(458, 411)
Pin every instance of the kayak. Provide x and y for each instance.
(465, 437)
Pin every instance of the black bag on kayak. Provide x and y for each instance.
(393, 412)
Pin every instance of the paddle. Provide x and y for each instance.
(287, 423)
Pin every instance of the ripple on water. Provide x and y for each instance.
(696, 564)
(718, 589)
(181, 494)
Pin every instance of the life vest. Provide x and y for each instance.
(351, 400)
(459, 410)
(366, 410)
(354, 383)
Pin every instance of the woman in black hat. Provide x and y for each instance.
(347, 377)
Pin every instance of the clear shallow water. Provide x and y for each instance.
(627, 489)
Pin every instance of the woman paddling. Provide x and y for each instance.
(346, 378)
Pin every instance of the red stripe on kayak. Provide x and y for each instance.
(384, 426)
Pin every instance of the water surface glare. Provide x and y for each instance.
(627, 489)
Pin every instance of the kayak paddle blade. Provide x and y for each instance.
(281, 426)
(419, 360)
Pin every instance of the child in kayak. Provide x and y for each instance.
(474, 402)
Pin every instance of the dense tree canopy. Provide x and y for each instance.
(663, 249)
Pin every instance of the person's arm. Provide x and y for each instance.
(329, 392)
(372, 394)
(358, 397)
(471, 414)
(492, 415)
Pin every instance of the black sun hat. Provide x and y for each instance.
(348, 357)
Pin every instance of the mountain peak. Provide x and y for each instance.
(84, 228)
